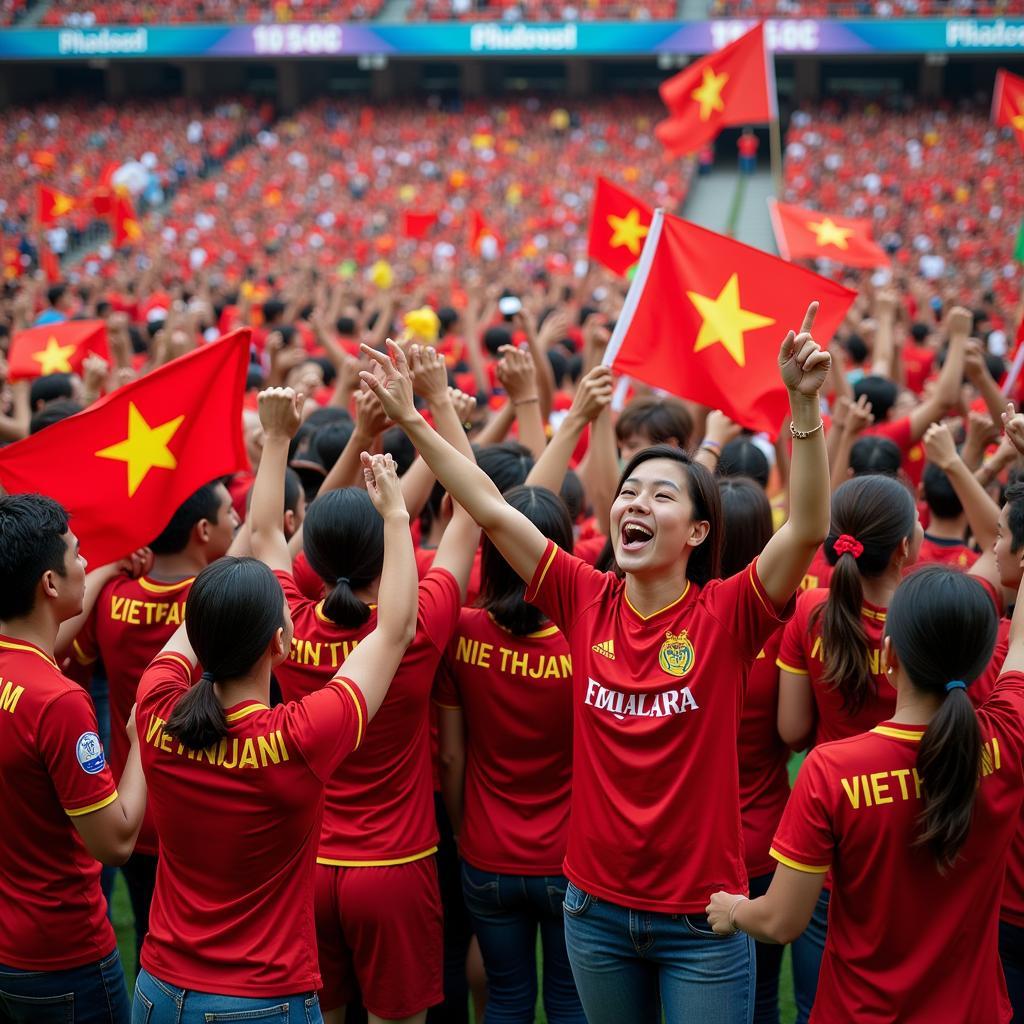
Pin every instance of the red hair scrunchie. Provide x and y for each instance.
(845, 544)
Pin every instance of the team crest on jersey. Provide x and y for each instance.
(676, 656)
(89, 752)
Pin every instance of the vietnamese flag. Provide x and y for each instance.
(618, 226)
(56, 348)
(1008, 104)
(125, 224)
(802, 233)
(52, 205)
(705, 317)
(733, 86)
(479, 229)
(416, 225)
(49, 263)
(124, 465)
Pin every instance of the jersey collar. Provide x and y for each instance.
(901, 731)
(654, 615)
(243, 710)
(9, 644)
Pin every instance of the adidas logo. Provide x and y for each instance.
(606, 649)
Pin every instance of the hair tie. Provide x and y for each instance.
(955, 684)
(845, 544)
(207, 677)
(345, 580)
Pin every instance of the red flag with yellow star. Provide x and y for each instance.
(802, 233)
(124, 223)
(55, 348)
(1008, 104)
(52, 205)
(123, 466)
(733, 86)
(705, 317)
(618, 227)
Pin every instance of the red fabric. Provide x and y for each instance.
(935, 550)
(516, 695)
(425, 559)
(657, 710)
(798, 230)
(124, 224)
(668, 342)
(52, 205)
(201, 392)
(745, 97)
(819, 572)
(213, 926)
(1008, 103)
(55, 916)
(56, 348)
(610, 201)
(417, 225)
(856, 807)
(480, 229)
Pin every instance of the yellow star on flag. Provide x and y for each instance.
(725, 320)
(709, 93)
(1018, 119)
(131, 228)
(61, 205)
(54, 358)
(627, 231)
(144, 448)
(828, 232)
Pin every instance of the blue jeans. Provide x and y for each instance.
(630, 965)
(769, 964)
(506, 912)
(93, 994)
(1011, 952)
(808, 951)
(156, 1002)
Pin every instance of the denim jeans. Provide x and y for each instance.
(507, 911)
(93, 994)
(1011, 952)
(156, 1002)
(808, 951)
(631, 965)
(769, 964)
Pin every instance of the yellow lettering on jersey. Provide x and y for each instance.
(248, 759)
(874, 655)
(250, 752)
(9, 696)
(136, 612)
(474, 652)
(816, 650)
(320, 652)
(155, 727)
(535, 666)
(879, 788)
(991, 760)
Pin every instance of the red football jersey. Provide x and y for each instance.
(380, 808)
(819, 572)
(913, 451)
(953, 553)
(655, 821)
(802, 654)
(764, 780)
(54, 914)
(425, 560)
(128, 628)
(906, 943)
(239, 825)
(516, 695)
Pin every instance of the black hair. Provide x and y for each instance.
(939, 494)
(495, 337)
(343, 537)
(272, 309)
(878, 512)
(501, 588)
(345, 326)
(508, 464)
(55, 293)
(920, 332)
(1014, 499)
(875, 455)
(448, 318)
(881, 393)
(53, 412)
(204, 504)
(705, 559)
(330, 440)
(741, 457)
(292, 490)
(746, 520)
(659, 419)
(572, 493)
(943, 626)
(32, 529)
(254, 379)
(856, 349)
(49, 388)
(395, 443)
(234, 608)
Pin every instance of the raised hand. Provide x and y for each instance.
(594, 394)
(720, 429)
(465, 405)
(858, 416)
(939, 446)
(1013, 423)
(803, 364)
(429, 373)
(516, 373)
(280, 412)
(371, 419)
(382, 484)
(391, 381)
(958, 322)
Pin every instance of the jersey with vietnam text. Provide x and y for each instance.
(802, 653)
(855, 808)
(516, 695)
(380, 807)
(129, 626)
(239, 824)
(53, 769)
(764, 780)
(655, 822)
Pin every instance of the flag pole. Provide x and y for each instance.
(775, 146)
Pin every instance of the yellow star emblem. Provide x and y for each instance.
(61, 205)
(1018, 119)
(725, 320)
(709, 93)
(54, 358)
(627, 231)
(828, 232)
(144, 448)
(131, 229)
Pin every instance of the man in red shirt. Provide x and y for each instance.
(61, 812)
(747, 145)
(947, 526)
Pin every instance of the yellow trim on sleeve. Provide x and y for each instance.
(163, 588)
(532, 590)
(347, 687)
(671, 604)
(80, 656)
(245, 712)
(790, 668)
(810, 869)
(899, 734)
(328, 862)
(179, 658)
(79, 811)
(757, 590)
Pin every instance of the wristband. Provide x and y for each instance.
(526, 401)
(801, 435)
(709, 443)
(732, 913)
(710, 449)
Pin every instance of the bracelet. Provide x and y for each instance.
(732, 913)
(526, 401)
(709, 443)
(707, 447)
(801, 435)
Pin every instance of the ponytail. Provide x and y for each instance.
(342, 606)
(846, 653)
(198, 720)
(942, 626)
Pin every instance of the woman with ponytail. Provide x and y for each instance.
(236, 787)
(913, 819)
(378, 910)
